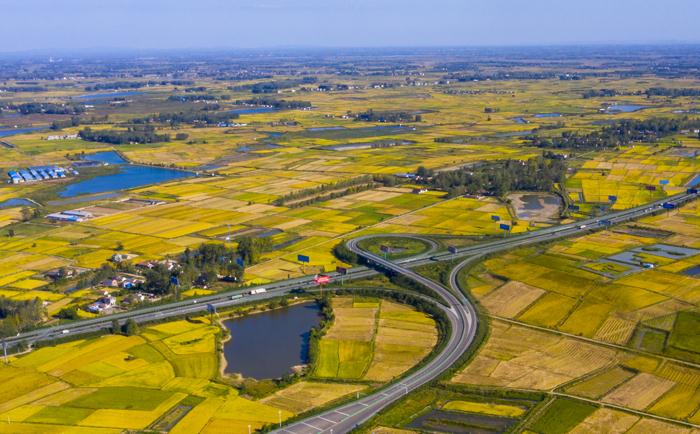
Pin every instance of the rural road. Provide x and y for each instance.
(459, 312)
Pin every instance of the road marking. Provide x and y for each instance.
(328, 420)
(363, 404)
(311, 426)
(344, 414)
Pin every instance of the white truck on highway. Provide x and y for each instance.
(257, 291)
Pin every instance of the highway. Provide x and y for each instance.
(459, 311)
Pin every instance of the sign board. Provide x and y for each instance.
(303, 258)
(211, 308)
(663, 182)
(612, 198)
(504, 226)
(668, 205)
(322, 279)
(385, 249)
(574, 207)
(240, 262)
(495, 218)
(692, 191)
(341, 270)
(174, 280)
(651, 187)
(452, 249)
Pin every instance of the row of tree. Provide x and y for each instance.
(137, 84)
(19, 315)
(500, 177)
(133, 134)
(201, 118)
(387, 116)
(49, 108)
(619, 133)
(280, 104)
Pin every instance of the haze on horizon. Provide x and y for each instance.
(172, 24)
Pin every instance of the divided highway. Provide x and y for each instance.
(459, 311)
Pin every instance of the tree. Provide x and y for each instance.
(10, 233)
(115, 326)
(131, 328)
(70, 313)
(26, 213)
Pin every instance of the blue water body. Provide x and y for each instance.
(10, 203)
(15, 131)
(109, 157)
(269, 344)
(252, 110)
(548, 115)
(625, 108)
(129, 176)
(695, 181)
(326, 128)
(96, 96)
(519, 120)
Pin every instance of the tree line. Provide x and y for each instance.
(280, 104)
(500, 177)
(201, 118)
(387, 116)
(49, 108)
(137, 84)
(133, 134)
(19, 315)
(620, 133)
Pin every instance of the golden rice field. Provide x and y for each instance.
(373, 340)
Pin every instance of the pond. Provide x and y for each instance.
(10, 203)
(624, 108)
(97, 96)
(129, 176)
(14, 131)
(519, 120)
(252, 110)
(269, 344)
(535, 205)
(548, 115)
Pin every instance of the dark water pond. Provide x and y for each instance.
(624, 108)
(10, 203)
(14, 131)
(98, 96)
(269, 344)
(692, 271)
(548, 115)
(129, 176)
(252, 110)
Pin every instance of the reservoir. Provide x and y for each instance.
(10, 203)
(98, 96)
(252, 110)
(129, 176)
(624, 108)
(269, 344)
(14, 131)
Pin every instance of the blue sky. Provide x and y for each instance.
(84, 24)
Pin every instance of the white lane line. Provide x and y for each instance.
(344, 414)
(363, 404)
(327, 420)
(311, 426)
